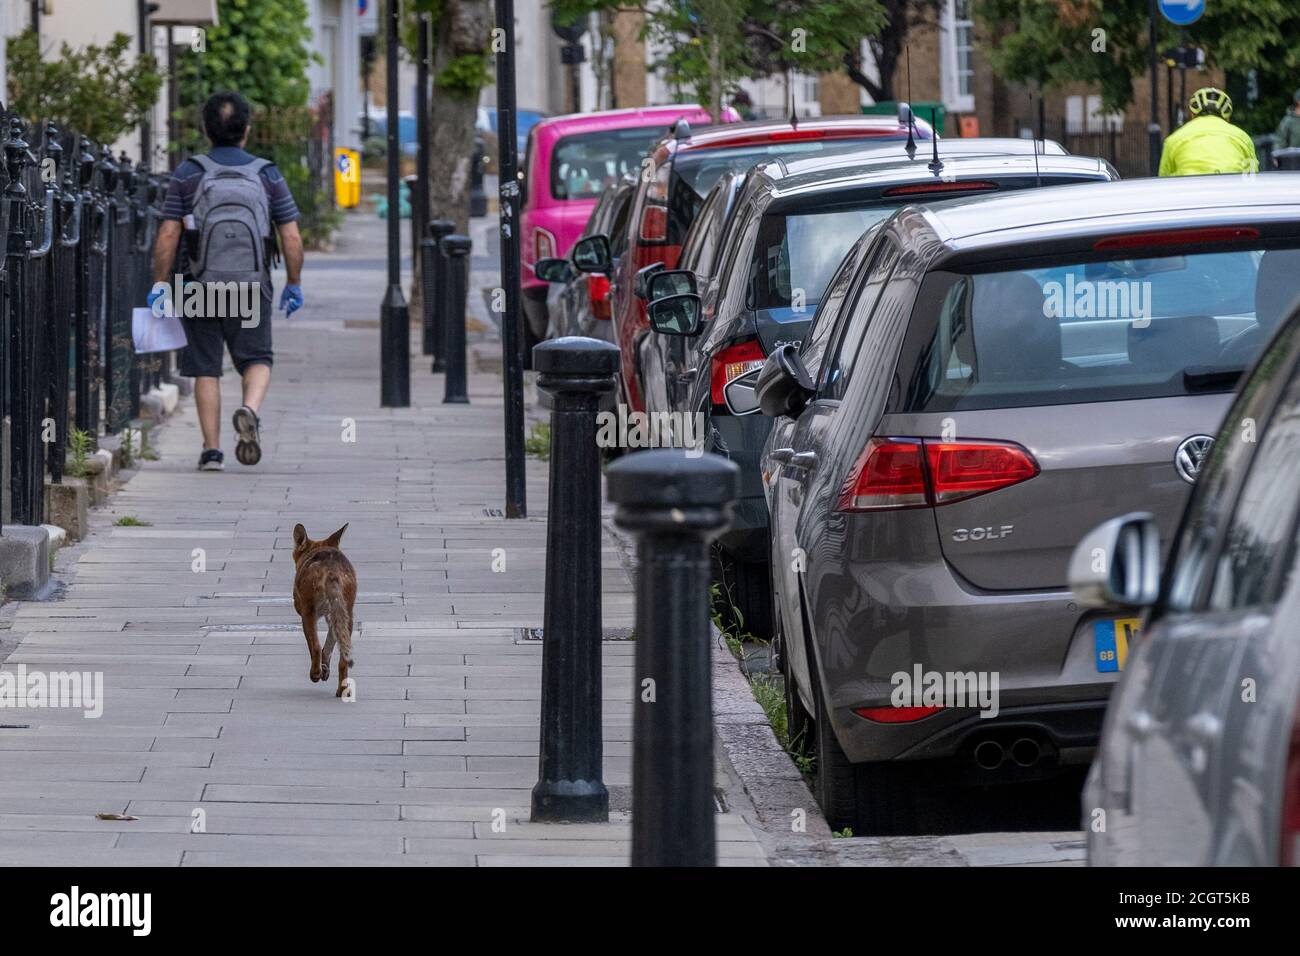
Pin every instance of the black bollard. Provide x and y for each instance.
(675, 505)
(455, 250)
(434, 272)
(576, 372)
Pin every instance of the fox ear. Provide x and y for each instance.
(299, 534)
(334, 539)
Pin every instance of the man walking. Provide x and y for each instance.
(1288, 131)
(1208, 143)
(230, 201)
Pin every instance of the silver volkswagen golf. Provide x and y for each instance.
(990, 379)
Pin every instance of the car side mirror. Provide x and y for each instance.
(1117, 564)
(784, 385)
(553, 270)
(676, 314)
(592, 254)
(641, 281)
(670, 282)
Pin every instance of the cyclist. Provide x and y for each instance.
(1208, 142)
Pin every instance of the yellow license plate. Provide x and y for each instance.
(1112, 640)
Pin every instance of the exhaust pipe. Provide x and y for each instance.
(1025, 752)
(989, 755)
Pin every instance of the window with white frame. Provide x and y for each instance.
(957, 33)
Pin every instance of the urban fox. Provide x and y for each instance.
(325, 585)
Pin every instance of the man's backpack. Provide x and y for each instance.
(233, 217)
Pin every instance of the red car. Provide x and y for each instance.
(686, 165)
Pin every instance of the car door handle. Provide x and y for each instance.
(1140, 725)
(803, 459)
(783, 455)
(1204, 727)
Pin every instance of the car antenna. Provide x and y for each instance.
(910, 148)
(794, 117)
(936, 165)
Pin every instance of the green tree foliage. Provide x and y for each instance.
(99, 91)
(1054, 42)
(712, 42)
(262, 49)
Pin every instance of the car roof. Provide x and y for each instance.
(830, 127)
(1071, 213)
(629, 118)
(892, 151)
(790, 184)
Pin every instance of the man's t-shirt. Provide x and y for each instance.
(179, 201)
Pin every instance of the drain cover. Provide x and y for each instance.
(252, 627)
(530, 634)
(493, 513)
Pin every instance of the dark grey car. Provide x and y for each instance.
(1199, 762)
(982, 397)
(792, 225)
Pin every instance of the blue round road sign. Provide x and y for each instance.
(1182, 12)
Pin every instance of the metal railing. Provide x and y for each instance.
(79, 228)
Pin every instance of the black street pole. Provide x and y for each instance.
(1153, 130)
(420, 192)
(394, 317)
(511, 330)
(146, 125)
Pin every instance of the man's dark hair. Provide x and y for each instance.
(226, 116)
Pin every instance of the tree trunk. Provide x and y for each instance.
(462, 29)
(715, 78)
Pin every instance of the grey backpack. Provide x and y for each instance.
(233, 217)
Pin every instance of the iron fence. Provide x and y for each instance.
(79, 229)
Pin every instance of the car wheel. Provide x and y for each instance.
(745, 595)
(871, 799)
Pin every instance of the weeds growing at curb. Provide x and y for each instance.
(79, 452)
(131, 521)
(538, 442)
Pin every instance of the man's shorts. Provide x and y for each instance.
(248, 346)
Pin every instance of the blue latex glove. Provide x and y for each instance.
(291, 299)
(154, 297)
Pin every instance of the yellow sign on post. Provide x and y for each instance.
(347, 177)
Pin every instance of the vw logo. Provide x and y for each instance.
(1190, 456)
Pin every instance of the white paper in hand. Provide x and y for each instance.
(154, 333)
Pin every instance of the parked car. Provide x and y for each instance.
(570, 161)
(1199, 762)
(685, 165)
(972, 416)
(666, 362)
(485, 122)
(579, 301)
(791, 229)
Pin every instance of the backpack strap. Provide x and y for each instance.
(205, 162)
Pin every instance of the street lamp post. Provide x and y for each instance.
(1153, 128)
(511, 332)
(394, 316)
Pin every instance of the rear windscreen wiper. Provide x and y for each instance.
(1206, 378)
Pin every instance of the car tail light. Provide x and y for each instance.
(654, 223)
(543, 244)
(895, 715)
(911, 472)
(731, 363)
(964, 469)
(940, 187)
(1290, 848)
(1175, 237)
(598, 293)
(890, 474)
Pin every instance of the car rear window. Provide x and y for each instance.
(1092, 332)
(796, 255)
(696, 171)
(586, 164)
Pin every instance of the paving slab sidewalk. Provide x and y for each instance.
(208, 712)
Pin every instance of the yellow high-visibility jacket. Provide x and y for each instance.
(1208, 144)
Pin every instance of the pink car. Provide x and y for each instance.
(570, 161)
